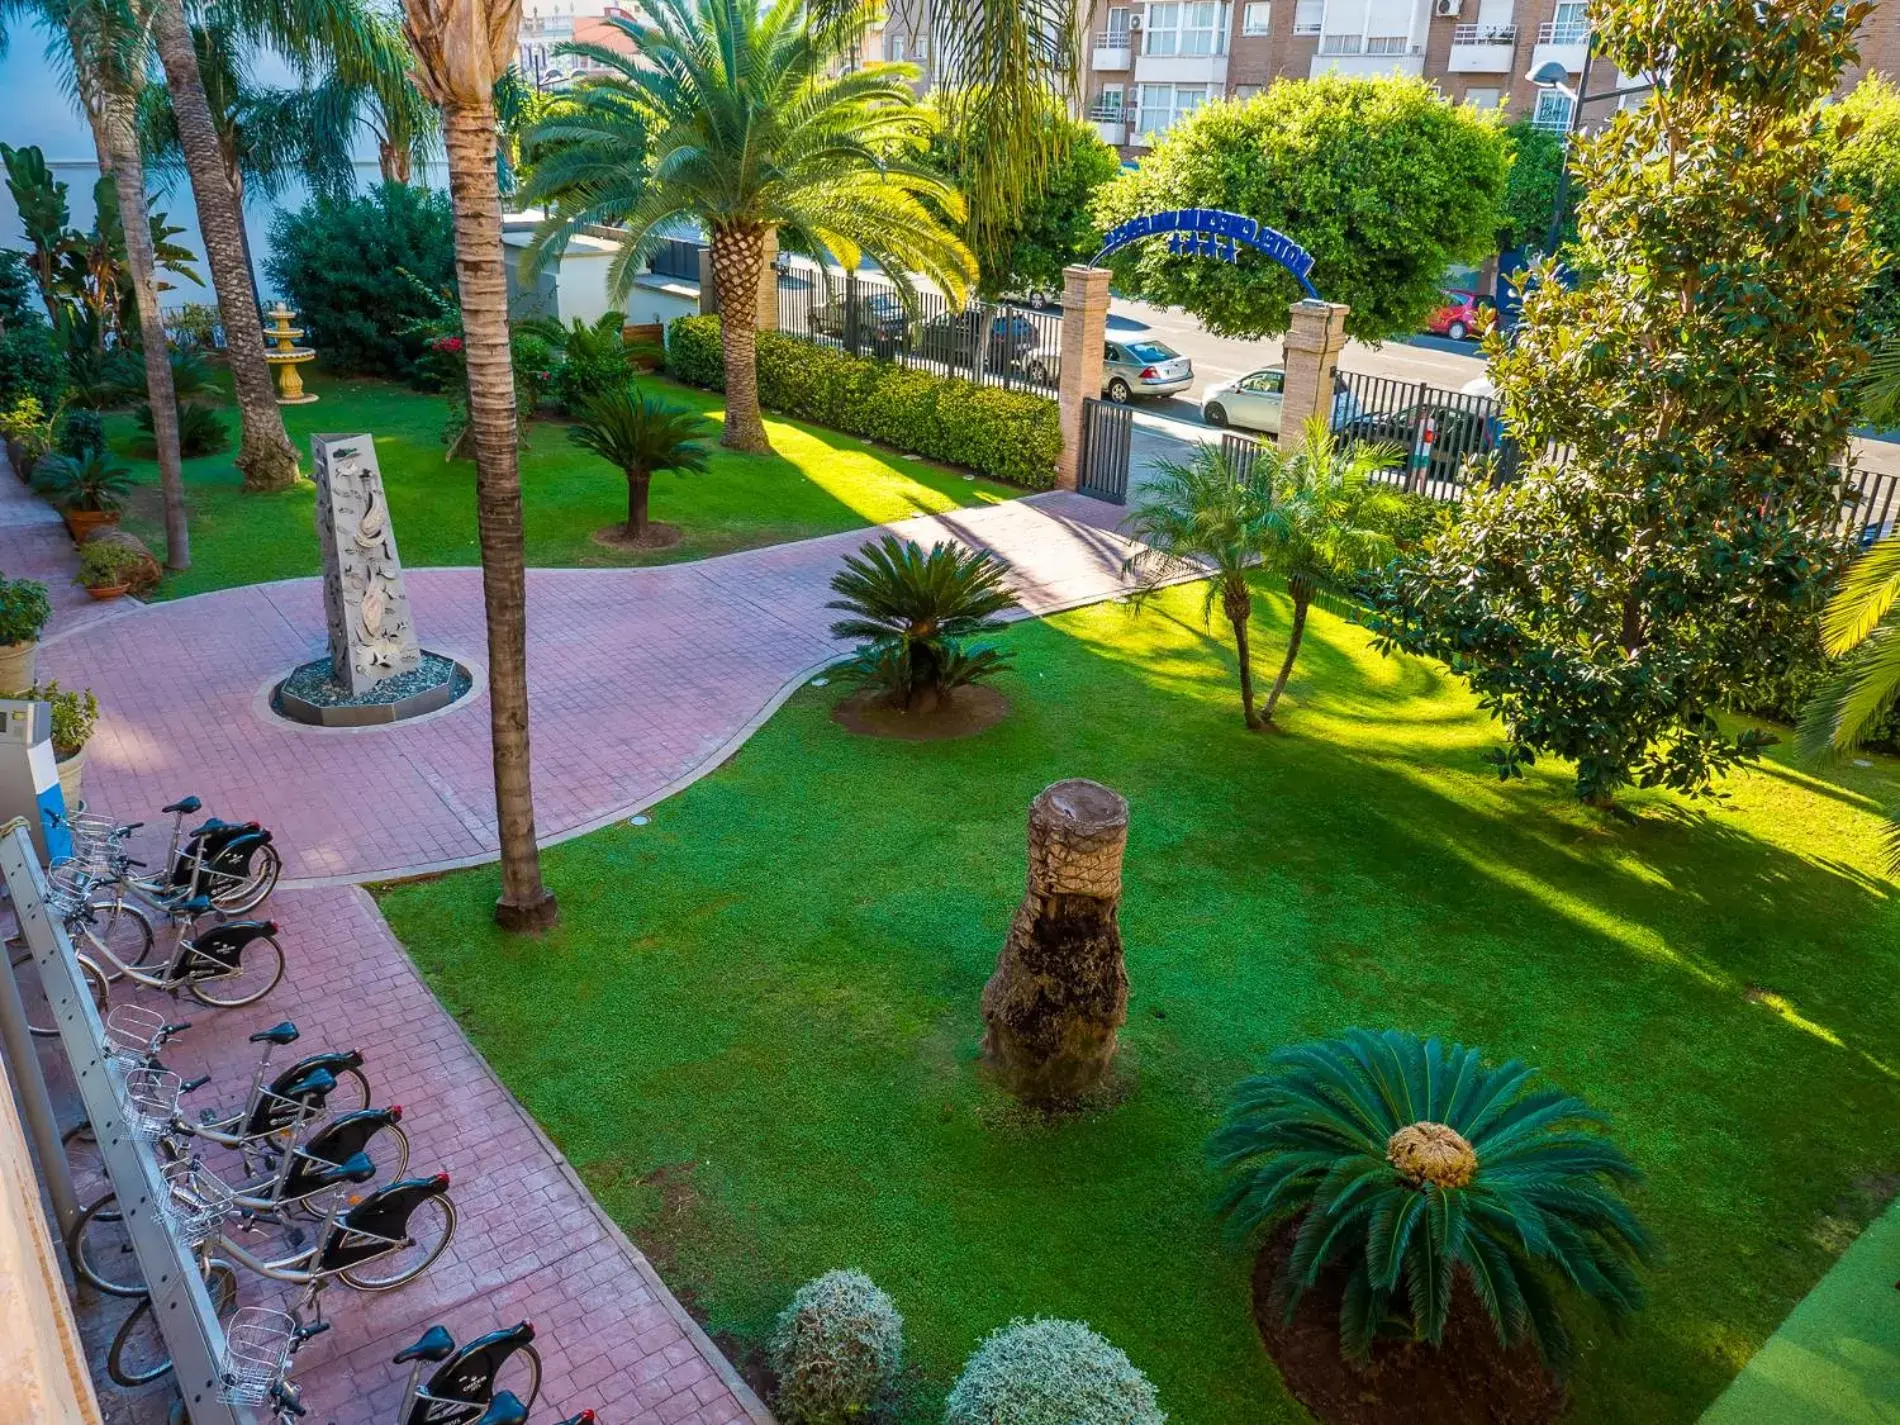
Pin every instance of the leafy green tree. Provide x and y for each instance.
(1054, 224)
(640, 437)
(916, 611)
(1382, 180)
(732, 116)
(1530, 193)
(1702, 383)
(1420, 1171)
(1864, 129)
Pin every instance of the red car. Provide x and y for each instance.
(1460, 317)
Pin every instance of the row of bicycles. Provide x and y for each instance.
(301, 1183)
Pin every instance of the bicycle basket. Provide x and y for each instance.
(257, 1346)
(132, 1034)
(151, 1101)
(196, 1201)
(68, 888)
(96, 840)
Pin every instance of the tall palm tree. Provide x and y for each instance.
(729, 115)
(461, 48)
(1314, 517)
(640, 437)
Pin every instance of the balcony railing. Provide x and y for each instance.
(1342, 44)
(1112, 39)
(1484, 35)
(1563, 32)
(1107, 113)
(1347, 46)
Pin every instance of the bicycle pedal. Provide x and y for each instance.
(296, 1236)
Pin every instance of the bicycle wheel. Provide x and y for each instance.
(388, 1149)
(236, 894)
(101, 1249)
(120, 931)
(430, 1227)
(85, 1162)
(520, 1375)
(260, 965)
(351, 1093)
(39, 1012)
(139, 1354)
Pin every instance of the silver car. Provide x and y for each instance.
(1143, 368)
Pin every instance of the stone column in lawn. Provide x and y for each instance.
(1084, 329)
(768, 284)
(364, 599)
(1060, 991)
(1313, 343)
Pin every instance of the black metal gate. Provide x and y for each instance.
(1107, 434)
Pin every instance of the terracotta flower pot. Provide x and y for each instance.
(70, 770)
(108, 591)
(16, 665)
(83, 522)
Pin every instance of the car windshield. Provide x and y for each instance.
(1152, 351)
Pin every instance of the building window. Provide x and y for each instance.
(1570, 25)
(1387, 44)
(1553, 111)
(1482, 98)
(1244, 92)
(1256, 19)
(1309, 17)
(1108, 105)
(1342, 44)
(894, 45)
(1190, 27)
(1165, 105)
(1117, 28)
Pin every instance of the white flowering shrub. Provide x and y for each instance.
(837, 1350)
(1045, 1372)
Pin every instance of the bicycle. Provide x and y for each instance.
(480, 1383)
(234, 864)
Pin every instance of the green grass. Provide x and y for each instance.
(755, 1031)
(818, 483)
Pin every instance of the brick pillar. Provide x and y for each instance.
(768, 284)
(1313, 343)
(1084, 328)
(708, 294)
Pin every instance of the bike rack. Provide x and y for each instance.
(180, 1304)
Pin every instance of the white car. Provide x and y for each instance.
(1253, 401)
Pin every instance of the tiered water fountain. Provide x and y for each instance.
(287, 356)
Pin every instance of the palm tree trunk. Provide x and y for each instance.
(1238, 606)
(738, 260)
(1301, 599)
(393, 160)
(468, 132)
(128, 177)
(637, 487)
(265, 456)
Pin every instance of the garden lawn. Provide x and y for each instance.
(818, 483)
(755, 1031)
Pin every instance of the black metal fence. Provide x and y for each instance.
(1442, 434)
(1107, 438)
(992, 344)
(676, 257)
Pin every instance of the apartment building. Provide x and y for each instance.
(1151, 64)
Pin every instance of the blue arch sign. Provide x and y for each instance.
(1212, 232)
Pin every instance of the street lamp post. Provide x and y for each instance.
(1551, 75)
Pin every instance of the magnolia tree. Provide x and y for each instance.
(1382, 180)
(1700, 380)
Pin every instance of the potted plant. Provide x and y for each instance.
(89, 490)
(107, 571)
(75, 715)
(24, 610)
(28, 433)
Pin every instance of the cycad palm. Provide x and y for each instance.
(915, 610)
(1413, 1168)
(730, 116)
(1861, 626)
(640, 437)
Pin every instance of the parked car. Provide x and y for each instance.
(1463, 315)
(1143, 368)
(1254, 401)
(954, 337)
(881, 320)
(1455, 433)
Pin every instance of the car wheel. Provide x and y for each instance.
(1214, 413)
(1119, 392)
(1457, 331)
(1038, 372)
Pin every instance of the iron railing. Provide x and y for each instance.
(1484, 35)
(992, 344)
(1440, 433)
(676, 257)
(1563, 32)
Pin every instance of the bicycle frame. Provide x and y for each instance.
(187, 962)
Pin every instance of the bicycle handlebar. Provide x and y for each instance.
(193, 1085)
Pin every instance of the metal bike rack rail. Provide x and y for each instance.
(180, 1304)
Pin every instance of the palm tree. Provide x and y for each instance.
(461, 48)
(1421, 1172)
(729, 115)
(640, 436)
(1314, 517)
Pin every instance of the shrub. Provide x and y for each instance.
(196, 326)
(19, 299)
(201, 430)
(92, 485)
(535, 361)
(344, 263)
(640, 436)
(837, 1350)
(1416, 1170)
(915, 611)
(107, 566)
(28, 432)
(144, 570)
(1010, 435)
(75, 715)
(1045, 1372)
(79, 433)
(594, 359)
(24, 610)
(30, 365)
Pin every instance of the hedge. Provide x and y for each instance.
(1011, 435)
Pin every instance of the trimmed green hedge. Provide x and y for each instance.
(1010, 435)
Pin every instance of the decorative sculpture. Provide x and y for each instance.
(286, 356)
(371, 635)
(1060, 991)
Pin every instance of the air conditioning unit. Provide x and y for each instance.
(1134, 22)
(1446, 9)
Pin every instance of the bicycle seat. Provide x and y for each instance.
(185, 807)
(278, 1034)
(355, 1169)
(318, 1083)
(505, 1409)
(436, 1345)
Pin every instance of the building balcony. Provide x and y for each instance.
(1349, 55)
(1476, 49)
(1112, 52)
(1567, 44)
(1113, 132)
(1181, 69)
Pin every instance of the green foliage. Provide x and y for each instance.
(24, 610)
(19, 306)
(836, 1350)
(1530, 194)
(93, 483)
(201, 430)
(640, 436)
(594, 357)
(1419, 1171)
(1701, 380)
(79, 432)
(536, 362)
(104, 565)
(30, 365)
(194, 325)
(351, 268)
(28, 430)
(1382, 180)
(1864, 131)
(75, 715)
(1011, 435)
(916, 613)
(1046, 1372)
(1052, 223)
